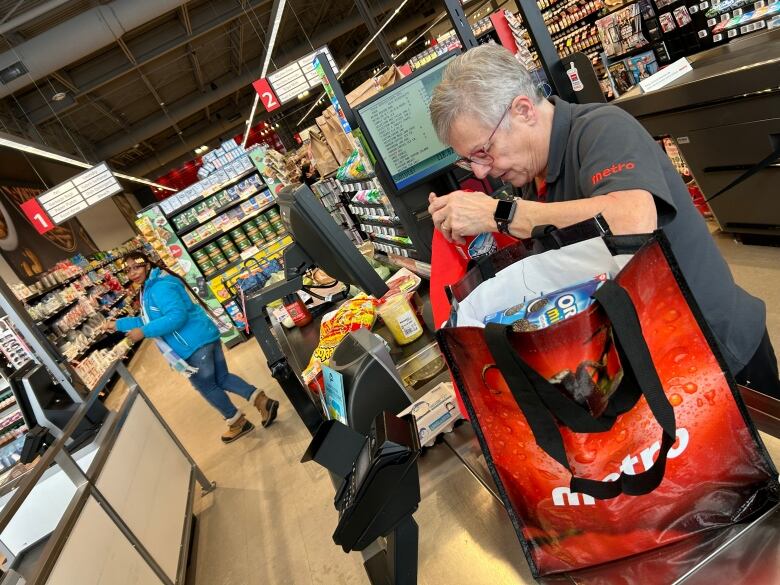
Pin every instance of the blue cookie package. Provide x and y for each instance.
(549, 308)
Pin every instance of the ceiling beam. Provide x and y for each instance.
(43, 111)
(226, 85)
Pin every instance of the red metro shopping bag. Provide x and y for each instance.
(668, 452)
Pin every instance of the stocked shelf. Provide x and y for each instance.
(215, 189)
(35, 296)
(92, 344)
(7, 423)
(224, 230)
(8, 408)
(46, 291)
(9, 437)
(219, 211)
(62, 310)
(255, 250)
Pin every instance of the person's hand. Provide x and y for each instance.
(462, 213)
(136, 334)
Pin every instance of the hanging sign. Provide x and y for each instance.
(39, 219)
(299, 76)
(267, 95)
(76, 194)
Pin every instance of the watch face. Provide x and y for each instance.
(504, 210)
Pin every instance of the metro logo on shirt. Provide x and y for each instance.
(613, 170)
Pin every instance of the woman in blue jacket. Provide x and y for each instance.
(189, 340)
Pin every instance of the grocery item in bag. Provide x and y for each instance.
(550, 308)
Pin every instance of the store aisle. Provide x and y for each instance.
(271, 518)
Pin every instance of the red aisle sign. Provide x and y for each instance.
(37, 216)
(267, 95)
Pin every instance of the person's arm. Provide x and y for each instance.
(627, 212)
(126, 324)
(633, 198)
(168, 297)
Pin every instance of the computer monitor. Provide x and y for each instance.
(324, 242)
(397, 126)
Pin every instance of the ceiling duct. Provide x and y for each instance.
(67, 43)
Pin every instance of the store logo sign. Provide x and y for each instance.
(613, 170)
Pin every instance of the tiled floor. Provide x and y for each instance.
(270, 520)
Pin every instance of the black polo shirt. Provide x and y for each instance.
(597, 149)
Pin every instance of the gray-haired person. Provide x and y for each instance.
(576, 161)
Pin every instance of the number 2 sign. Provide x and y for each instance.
(267, 95)
(37, 216)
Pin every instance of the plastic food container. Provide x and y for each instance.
(400, 318)
(423, 366)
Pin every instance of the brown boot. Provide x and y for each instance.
(267, 407)
(237, 429)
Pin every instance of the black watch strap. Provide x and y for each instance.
(505, 212)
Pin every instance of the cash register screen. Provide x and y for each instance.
(397, 124)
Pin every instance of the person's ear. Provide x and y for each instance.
(524, 110)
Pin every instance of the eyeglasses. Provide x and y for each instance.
(481, 156)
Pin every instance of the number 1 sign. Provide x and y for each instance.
(267, 95)
(37, 216)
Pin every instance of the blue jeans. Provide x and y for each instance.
(212, 379)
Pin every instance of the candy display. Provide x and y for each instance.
(353, 168)
(548, 309)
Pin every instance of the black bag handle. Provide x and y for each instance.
(570, 413)
(524, 384)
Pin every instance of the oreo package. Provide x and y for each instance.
(550, 308)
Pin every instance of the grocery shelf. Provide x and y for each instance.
(235, 263)
(224, 231)
(68, 280)
(62, 310)
(5, 425)
(220, 211)
(7, 409)
(97, 340)
(228, 183)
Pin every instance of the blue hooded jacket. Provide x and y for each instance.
(173, 316)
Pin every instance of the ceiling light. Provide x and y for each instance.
(401, 41)
(276, 18)
(387, 21)
(162, 104)
(59, 96)
(249, 121)
(17, 145)
(277, 125)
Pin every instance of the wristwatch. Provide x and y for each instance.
(505, 211)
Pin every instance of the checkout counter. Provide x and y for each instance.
(465, 535)
(725, 117)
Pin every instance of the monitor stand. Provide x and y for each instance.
(396, 564)
(296, 263)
